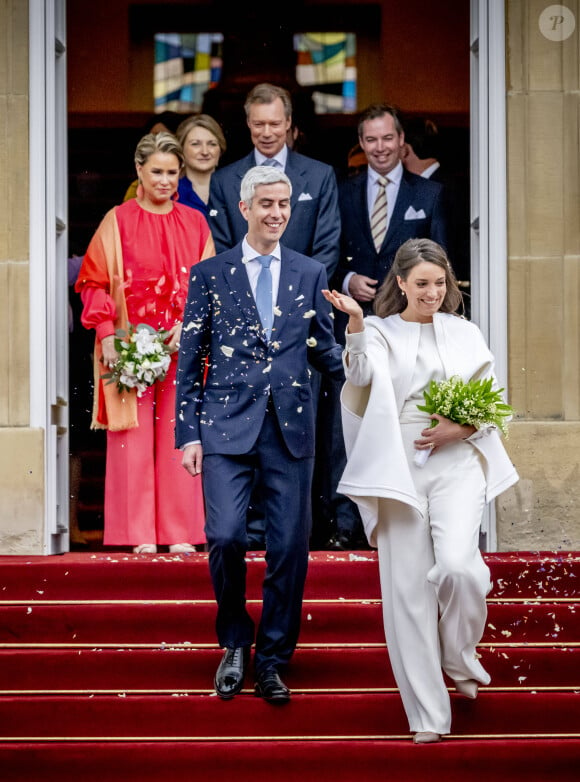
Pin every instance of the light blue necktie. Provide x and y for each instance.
(270, 161)
(264, 294)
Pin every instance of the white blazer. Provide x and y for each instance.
(379, 368)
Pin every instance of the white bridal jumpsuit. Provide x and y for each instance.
(434, 581)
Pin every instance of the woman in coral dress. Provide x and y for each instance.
(136, 270)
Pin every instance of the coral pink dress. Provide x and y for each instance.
(136, 270)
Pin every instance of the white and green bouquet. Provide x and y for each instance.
(475, 403)
(144, 358)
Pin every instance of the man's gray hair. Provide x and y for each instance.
(261, 175)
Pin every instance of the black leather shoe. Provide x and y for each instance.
(340, 542)
(271, 688)
(229, 677)
(343, 541)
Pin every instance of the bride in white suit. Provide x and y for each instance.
(424, 520)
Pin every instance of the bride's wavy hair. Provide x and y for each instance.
(390, 299)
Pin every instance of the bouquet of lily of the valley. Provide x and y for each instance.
(475, 403)
(144, 357)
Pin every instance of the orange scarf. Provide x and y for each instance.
(103, 264)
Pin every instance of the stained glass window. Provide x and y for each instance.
(187, 65)
(327, 63)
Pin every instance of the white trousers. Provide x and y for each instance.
(434, 581)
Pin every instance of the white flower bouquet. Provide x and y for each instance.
(144, 357)
(475, 403)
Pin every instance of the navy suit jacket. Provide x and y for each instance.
(357, 250)
(314, 225)
(221, 322)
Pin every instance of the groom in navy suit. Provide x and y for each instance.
(314, 224)
(255, 320)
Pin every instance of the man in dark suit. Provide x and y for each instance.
(314, 225)
(254, 412)
(416, 207)
(410, 207)
(422, 156)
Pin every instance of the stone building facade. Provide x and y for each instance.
(543, 315)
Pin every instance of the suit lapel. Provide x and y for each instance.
(297, 177)
(237, 282)
(360, 207)
(287, 292)
(403, 202)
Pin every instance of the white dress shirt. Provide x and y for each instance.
(254, 267)
(430, 170)
(393, 183)
(280, 158)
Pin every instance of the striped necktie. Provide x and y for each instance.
(379, 214)
(264, 294)
(271, 161)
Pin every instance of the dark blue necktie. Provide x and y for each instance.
(264, 294)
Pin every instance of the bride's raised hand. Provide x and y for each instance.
(345, 304)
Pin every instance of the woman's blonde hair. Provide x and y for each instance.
(390, 299)
(158, 142)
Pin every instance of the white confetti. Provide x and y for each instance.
(227, 351)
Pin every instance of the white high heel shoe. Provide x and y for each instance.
(181, 548)
(145, 548)
(467, 687)
(426, 737)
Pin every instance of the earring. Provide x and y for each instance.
(402, 292)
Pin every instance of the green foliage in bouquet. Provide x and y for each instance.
(474, 403)
(144, 357)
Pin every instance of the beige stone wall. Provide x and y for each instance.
(14, 373)
(22, 491)
(540, 512)
(543, 102)
(21, 449)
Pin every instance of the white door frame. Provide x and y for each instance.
(489, 194)
(48, 258)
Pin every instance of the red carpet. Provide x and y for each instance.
(107, 662)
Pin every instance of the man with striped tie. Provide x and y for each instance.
(380, 208)
(384, 206)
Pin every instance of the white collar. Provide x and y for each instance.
(249, 254)
(393, 176)
(280, 158)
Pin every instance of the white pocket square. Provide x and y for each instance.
(411, 214)
(305, 197)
